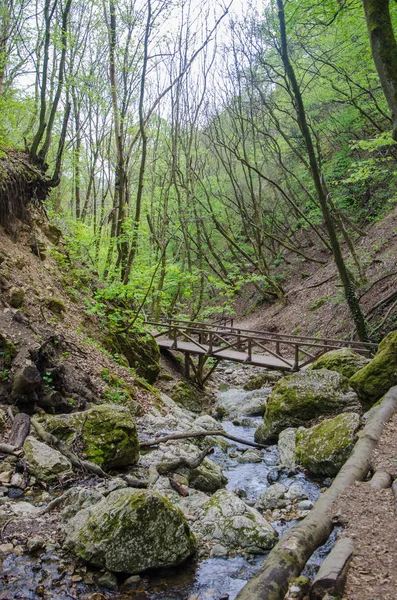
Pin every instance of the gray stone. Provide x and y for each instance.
(129, 532)
(44, 462)
(35, 543)
(226, 520)
(273, 497)
(235, 402)
(109, 581)
(251, 456)
(286, 448)
(296, 492)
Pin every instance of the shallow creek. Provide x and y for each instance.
(30, 578)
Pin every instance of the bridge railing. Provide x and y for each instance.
(293, 351)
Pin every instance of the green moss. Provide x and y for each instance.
(17, 296)
(140, 349)
(324, 448)
(187, 396)
(343, 361)
(259, 381)
(303, 396)
(132, 531)
(7, 352)
(106, 434)
(56, 306)
(379, 375)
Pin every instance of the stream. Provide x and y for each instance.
(50, 576)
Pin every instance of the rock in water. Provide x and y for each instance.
(304, 396)
(343, 361)
(106, 434)
(129, 532)
(225, 519)
(324, 448)
(44, 462)
(379, 375)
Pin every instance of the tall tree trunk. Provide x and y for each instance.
(384, 51)
(350, 295)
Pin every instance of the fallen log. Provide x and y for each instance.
(63, 449)
(331, 577)
(289, 556)
(394, 489)
(198, 434)
(381, 480)
(8, 449)
(20, 430)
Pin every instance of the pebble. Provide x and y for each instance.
(109, 581)
(296, 492)
(35, 543)
(218, 550)
(6, 548)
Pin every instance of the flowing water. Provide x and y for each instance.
(29, 578)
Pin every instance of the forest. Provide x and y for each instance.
(193, 149)
(198, 301)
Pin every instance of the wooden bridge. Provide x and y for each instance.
(220, 340)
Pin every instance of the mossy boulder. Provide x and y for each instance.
(299, 398)
(343, 361)
(105, 434)
(130, 532)
(379, 375)
(208, 477)
(56, 306)
(140, 349)
(17, 296)
(187, 396)
(44, 462)
(7, 352)
(262, 380)
(324, 448)
(225, 519)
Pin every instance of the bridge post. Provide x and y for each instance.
(249, 349)
(187, 365)
(296, 358)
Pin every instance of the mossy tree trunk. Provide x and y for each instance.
(384, 51)
(350, 295)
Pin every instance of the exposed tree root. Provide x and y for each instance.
(74, 459)
(289, 556)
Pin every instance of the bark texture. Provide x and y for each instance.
(384, 51)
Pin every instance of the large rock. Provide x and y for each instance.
(343, 361)
(273, 497)
(235, 402)
(226, 520)
(379, 375)
(303, 396)
(106, 434)
(44, 462)
(140, 349)
(129, 532)
(324, 448)
(187, 396)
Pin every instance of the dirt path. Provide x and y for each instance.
(370, 519)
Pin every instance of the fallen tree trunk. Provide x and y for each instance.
(381, 480)
(20, 430)
(287, 559)
(331, 578)
(8, 449)
(198, 434)
(63, 449)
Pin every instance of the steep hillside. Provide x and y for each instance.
(315, 302)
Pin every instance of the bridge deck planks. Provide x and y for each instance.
(259, 360)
